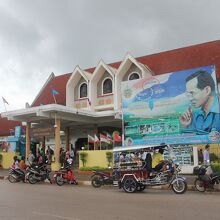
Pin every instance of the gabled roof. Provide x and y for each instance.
(57, 83)
(7, 125)
(100, 66)
(169, 61)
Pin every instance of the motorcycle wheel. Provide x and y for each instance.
(141, 187)
(12, 178)
(97, 181)
(199, 185)
(130, 185)
(31, 178)
(59, 180)
(179, 187)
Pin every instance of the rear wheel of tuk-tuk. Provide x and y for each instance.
(129, 185)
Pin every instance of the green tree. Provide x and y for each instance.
(83, 157)
(109, 157)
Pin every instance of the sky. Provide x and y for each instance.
(45, 36)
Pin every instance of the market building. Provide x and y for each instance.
(71, 106)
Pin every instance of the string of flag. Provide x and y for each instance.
(104, 138)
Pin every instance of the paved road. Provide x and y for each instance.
(46, 202)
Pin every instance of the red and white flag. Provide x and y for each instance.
(96, 139)
(104, 138)
(89, 102)
(91, 139)
(109, 137)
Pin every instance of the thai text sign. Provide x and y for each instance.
(40, 132)
(175, 108)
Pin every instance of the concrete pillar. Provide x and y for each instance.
(28, 140)
(56, 164)
(67, 138)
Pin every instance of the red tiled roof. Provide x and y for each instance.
(184, 58)
(6, 125)
(57, 83)
(174, 60)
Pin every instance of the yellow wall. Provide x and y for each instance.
(214, 148)
(7, 159)
(95, 158)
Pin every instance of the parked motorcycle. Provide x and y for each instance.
(65, 175)
(38, 173)
(16, 175)
(99, 178)
(206, 178)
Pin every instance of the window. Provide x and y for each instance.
(133, 76)
(83, 90)
(107, 86)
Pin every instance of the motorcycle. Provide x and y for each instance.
(99, 178)
(16, 175)
(38, 173)
(206, 178)
(65, 175)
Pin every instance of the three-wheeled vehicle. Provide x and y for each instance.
(134, 176)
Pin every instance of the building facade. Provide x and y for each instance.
(89, 101)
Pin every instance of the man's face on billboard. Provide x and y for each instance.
(197, 97)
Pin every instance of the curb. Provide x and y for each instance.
(88, 183)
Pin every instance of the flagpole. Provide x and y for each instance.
(100, 143)
(3, 99)
(54, 98)
(5, 107)
(123, 130)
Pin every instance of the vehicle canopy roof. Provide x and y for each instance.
(138, 147)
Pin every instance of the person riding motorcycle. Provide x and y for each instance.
(158, 162)
(67, 165)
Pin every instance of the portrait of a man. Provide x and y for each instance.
(202, 114)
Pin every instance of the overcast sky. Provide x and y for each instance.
(44, 36)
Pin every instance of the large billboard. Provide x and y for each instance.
(174, 108)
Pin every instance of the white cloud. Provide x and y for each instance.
(44, 36)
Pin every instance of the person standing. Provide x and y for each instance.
(206, 158)
(31, 158)
(200, 156)
(72, 154)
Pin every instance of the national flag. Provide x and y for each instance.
(109, 137)
(91, 139)
(117, 138)
(104, 138)
(55, 92)
(4, 100)
(89, 102)
(96, 139)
